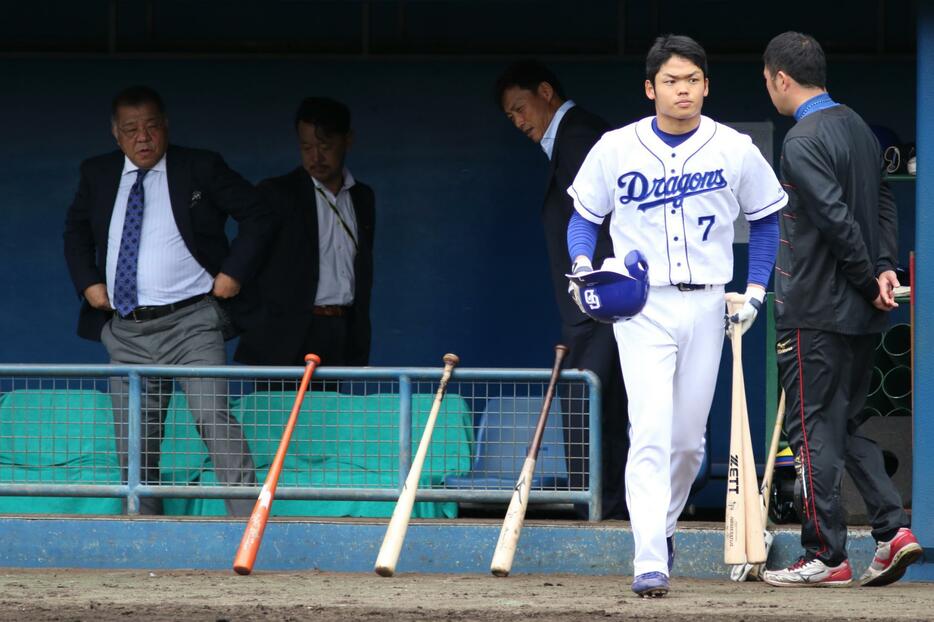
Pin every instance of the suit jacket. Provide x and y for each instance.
(204, 192)
(288, 280)
(577, 134)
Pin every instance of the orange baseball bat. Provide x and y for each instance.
(253, 534)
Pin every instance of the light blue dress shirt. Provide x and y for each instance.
(548, 138)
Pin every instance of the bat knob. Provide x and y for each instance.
(309, 358)
(451, 359)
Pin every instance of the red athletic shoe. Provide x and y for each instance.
(892, 559)
(811, 573)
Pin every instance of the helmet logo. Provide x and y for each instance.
(592, 299)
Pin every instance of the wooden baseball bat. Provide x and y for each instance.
(253, 534)
(515, 514)
(744, 540)
(752, 500)
(765, 489)
(734, 529)
(742, 571)
(399, 523)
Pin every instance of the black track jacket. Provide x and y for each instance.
(839, 229)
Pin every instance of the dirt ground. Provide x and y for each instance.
(108, 595)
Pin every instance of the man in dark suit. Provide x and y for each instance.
(534, 101)
(147, 253)
(316, 282)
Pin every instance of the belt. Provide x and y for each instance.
(691, 287)
(330, 311)
(145, 314)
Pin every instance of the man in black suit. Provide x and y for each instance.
(534, 101)
(147, 253)
(316, 282)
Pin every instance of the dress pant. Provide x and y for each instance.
(591, 345)
(189, 336)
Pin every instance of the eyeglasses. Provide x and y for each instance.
(150, 126)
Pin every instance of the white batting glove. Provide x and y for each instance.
(581, 264)
(748, 312)
(751, 572)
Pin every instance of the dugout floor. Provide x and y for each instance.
(154, 596)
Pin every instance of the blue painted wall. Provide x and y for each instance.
(458, 189)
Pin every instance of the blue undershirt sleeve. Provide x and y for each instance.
(582, 236)
(763, 247)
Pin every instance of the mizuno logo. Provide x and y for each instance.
(637, 187)
(783, 346)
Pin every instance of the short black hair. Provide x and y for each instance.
(526, 74)
(136, 95)
(798, 55)
(329, 116)
(667, 46)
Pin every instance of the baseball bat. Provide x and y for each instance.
(741, 572)
(765, 489)
(734, 530)
(399, 523)
(515, 514)
(256, 525)
(744, 540)
(752, 500)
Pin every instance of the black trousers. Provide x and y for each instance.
(826, 377)
(592, 346)
(326, 337)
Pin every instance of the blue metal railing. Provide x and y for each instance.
(134, 489)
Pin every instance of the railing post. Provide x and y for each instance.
(134, 430)
(405, 428)
(595, 463)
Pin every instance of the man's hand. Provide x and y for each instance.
(225, 286)
(885, 301)
(96, 295)
(581, 264)
(755, 294)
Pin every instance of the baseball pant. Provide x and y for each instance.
(826, 377)
(670, 355)
(591, 346)
(189, 336)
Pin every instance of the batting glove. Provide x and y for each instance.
(752, 572)
(581, 264)
(748, 312)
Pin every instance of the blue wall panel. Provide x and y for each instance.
(458, 189)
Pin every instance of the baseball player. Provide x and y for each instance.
(672, 185)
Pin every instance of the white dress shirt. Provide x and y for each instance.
(166, 271)
(336, 249)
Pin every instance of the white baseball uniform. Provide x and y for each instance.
(676, 205)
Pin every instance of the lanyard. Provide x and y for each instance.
(339, 217)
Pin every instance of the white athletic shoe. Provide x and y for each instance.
(892, 559)
(811, 573)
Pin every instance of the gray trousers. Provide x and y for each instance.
(189, 336)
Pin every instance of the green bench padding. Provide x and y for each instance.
(61, 437)
(340, 441)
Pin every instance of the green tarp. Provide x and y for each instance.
(340, 441)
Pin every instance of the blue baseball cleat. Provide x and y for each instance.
(650, 585)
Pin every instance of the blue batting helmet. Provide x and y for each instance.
(615, 292)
